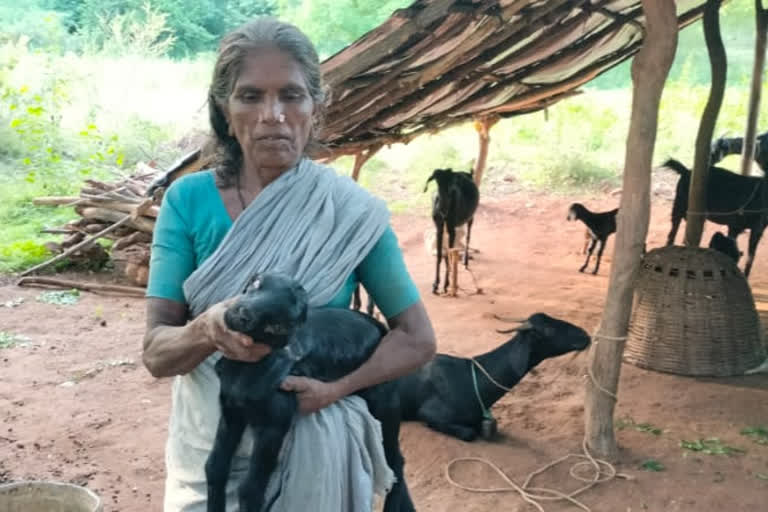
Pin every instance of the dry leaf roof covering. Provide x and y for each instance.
(440, 62)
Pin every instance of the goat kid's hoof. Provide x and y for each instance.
(582, 269)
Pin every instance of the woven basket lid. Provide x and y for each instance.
(693, 314)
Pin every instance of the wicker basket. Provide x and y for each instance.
(693, 314)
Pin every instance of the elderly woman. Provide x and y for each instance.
(266, 206)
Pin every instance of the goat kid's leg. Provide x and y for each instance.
(384, 405)
(217, 467)
(589, 254)
(266, 447)
(599, 256)
(466, 244)
(439, 223)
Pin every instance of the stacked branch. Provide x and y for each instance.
(120, 212)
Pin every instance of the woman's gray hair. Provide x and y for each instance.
(260, 33)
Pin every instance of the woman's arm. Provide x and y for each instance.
(409, 345)
(174, 347)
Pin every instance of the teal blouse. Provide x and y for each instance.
(193, 221)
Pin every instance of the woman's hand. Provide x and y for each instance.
(312, 394)
(232, 344)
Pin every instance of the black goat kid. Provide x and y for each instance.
(454, 205)
(322, 343)
(725, 245)
(739, 202)
(600, 226)
(443, 395)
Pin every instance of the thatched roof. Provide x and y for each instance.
(441, 62)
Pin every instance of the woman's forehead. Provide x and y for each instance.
(268, 68)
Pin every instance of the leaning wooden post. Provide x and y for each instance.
(362, 157)
(697, 194)
(748, 152)
(649, 72)
(453, 261)
(483, 126)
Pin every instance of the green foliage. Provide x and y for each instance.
(334, 24)
(757, 434)
(10, 340)
(140, 27)
(625, 423)
(710, 446)
(652, 465)
(60, 297)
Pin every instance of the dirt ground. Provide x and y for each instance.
(77, 406)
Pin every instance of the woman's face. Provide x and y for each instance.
(270, 111)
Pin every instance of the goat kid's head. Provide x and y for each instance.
(575, 211)
(552, 337)
(720, 149)
(273, 306)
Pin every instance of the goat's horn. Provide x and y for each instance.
(523, 327)
(509, 319)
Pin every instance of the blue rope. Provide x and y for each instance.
(486, 413)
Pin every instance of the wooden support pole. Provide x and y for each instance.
(483, 126)
(453, 260)
(363, 156)
(649, 72)
(753, 113)
(697, 194)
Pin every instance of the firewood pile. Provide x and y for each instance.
(119, 211)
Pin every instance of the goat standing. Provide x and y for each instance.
(453, 205)
(443, 394)
(739, 202)
(724, 146)
(600, 226)
(321, 343)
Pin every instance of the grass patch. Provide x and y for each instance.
(10, 340)
(652, 465)
(626, 423)
(757, 434)
(60, 297)
(710, 446)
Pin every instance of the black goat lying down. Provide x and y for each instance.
(600, 226)
(454, 205)
(739, 202)
(321, 343)
(725, 245)
(442, 394)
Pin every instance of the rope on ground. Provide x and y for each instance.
(603, 471)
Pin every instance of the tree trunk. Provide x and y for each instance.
(362, 157)
(649, 72)
(748, 153)
(483, 127)
(697, 194)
